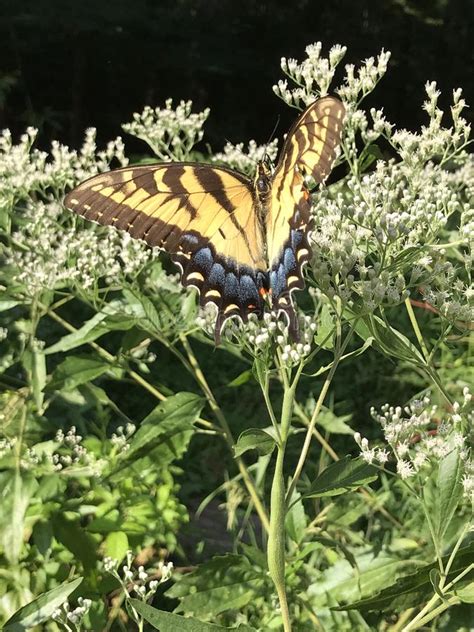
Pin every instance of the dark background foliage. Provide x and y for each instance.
(66, 65)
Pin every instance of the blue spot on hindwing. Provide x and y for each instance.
(289, 261)
(203, 259)
(216, 276)
(248, 290)
(231, 287)
(189, 240)
(296, 238)
(278, 278)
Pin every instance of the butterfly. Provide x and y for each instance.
(241, 242)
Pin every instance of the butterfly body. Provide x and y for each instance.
(242, 243)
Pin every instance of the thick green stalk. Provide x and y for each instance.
(276, 534)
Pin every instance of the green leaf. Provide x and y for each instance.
(227, 582)
(243, 378)
(165, 432)
(334, 424)
(111, 318)
(296, 521)
(6, 304)
(413, 588)
(68, 530)
(144, 309)
(169, 622)
(41, 608)
(326, 326)
(352, 354)
(388, 340)
(342, 476)
(76, 370)
(443, 493)
(255, 439)
(369, 155)
(465, 591)
(318, 541)
(116, 545)
(16, 491)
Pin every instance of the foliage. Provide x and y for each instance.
(110, 380)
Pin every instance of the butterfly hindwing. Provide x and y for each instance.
(203, 216)
(309, 149)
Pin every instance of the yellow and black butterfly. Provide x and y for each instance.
(241, 243)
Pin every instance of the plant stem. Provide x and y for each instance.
(226, 430)
(276, 535)
(416, 329)
(317, 409)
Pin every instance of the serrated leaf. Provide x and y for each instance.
(223, 583)
(255, 439)
(145, 310)
(342, 476)
(76, 370)
(443, 494)
(333, 423)
(414, 588)
(388, 339)
(169, 622)
(165, 432)
(111, 318)
(41, 608)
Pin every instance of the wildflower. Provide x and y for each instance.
(246, 160)
(171, 133)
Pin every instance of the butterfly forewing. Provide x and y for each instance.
(203, 216)
(309, 149)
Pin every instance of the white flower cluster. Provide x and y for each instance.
(120, 439)
(25, 170)
(47, 458)
(170, 132)
(434, 140)
(420, 434)
(312, 77)
(62, 256)
(64, 616)
(245, 161)
(6, 445)
(138, 580)
(271, 332)
(375, 239)
(358, 83)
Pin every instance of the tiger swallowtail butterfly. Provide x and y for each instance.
(242, 243)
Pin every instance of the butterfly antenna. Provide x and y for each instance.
(271, 136)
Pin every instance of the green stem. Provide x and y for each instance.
(199, 375)
(317, 409)
(276, 534)
(416, 329)
(420, 623)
